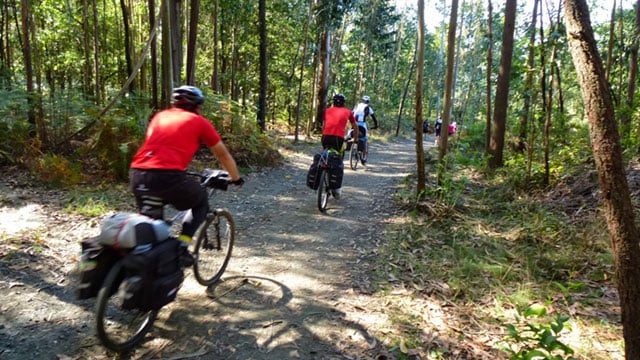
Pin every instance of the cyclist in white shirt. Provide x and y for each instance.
(361, 111)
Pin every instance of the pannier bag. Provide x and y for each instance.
(313, 175)
(95, 262)
(335, 170)
(153, 277)
(119, 230)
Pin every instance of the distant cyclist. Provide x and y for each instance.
(335, 124)
(158, 168)
(361, 111)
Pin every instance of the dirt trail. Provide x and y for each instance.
(298, 285)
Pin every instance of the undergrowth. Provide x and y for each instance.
(487, 251)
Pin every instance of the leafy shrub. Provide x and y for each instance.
(530, 339)
(56, 171)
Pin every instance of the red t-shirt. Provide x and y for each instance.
(173, 137)
(335, 121)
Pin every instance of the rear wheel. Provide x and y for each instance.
(323, 191)
(213, 247)
(119, 330)
(353, 157)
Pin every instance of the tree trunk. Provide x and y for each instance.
(303, 60)
(323, 83)
(526, 109)
(487, 130)
(154, 56)
(496, 145)
(448, 86)
(127, 42)
(264, 85)
(175, 15)
(96, 54)
(215, 81)
(420, 188)
(194, 14)
(167, 57)
(612, 27)
(605, 140)
(28, 64)
(625, 120)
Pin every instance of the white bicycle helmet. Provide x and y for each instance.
(366, 99)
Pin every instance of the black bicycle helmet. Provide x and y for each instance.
(187, 97)
(338, 100)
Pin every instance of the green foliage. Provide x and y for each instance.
(55, 171)
(530, 339)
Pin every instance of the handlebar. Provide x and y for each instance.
(213, 178)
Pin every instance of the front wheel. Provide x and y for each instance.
(213, 247)
(118, 329)
(323, 191)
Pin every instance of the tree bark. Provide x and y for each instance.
(448, 86)
(194, 14)
(487, 130)
(323, 83)
(496, 145)
(264, 85)
(420, 188)
(605, 140)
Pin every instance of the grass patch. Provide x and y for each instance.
(491, 253)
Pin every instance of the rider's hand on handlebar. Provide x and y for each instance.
(238, 182)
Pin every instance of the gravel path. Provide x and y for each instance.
(298, 285)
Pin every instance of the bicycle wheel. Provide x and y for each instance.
(213, 247)
(353, 157)
(323, 191)
(119, 330)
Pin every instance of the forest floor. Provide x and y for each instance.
(300, 285)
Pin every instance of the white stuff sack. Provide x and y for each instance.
(119, 229)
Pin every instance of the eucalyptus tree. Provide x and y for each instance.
(607, 152)
(329, 15)
(496, 146)
(420, 189)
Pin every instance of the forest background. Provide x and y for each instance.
(80, 80)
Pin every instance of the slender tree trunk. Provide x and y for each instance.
(167, 54)
(448, 87)
(406, 89)
(526, 111)
(215, 81)
(154, 56)
(303, 60)
(127, 42)
(612, 27)
(496, 146)
(264, 85)
(420, 189)
(605, 140)
(28, 64)
(96, 55)
(487, 130)
(625, 120)
(323, 84)
(175, 16)
(194, 14)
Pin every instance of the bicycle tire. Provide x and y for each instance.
(119, 330)
(323, 191)
(213, 247)
(353, 157)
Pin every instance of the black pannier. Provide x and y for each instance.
(313, 175)
(335, 170)
(153, 277)
(95, 262)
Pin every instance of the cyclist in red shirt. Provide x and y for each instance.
(158, 168)
(335, 123)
